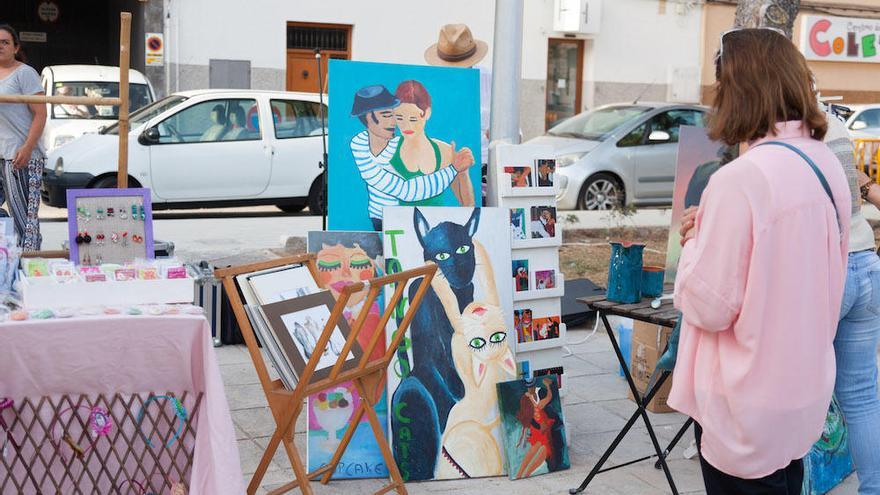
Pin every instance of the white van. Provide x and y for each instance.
(64, 123)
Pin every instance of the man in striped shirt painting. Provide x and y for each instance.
(374, 147)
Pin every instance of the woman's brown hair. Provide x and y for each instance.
(762, 79)
(16, 42)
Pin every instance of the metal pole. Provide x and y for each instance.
(323, 141)
(124, 63)
(506, 74)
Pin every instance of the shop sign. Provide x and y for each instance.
(48, 11)
(841, 39)
(155, 49)
(32, 37)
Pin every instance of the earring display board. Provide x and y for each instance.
(527, 187)
(109, 225)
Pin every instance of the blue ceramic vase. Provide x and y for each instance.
(625, 273)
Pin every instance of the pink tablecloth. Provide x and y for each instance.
(127, 355)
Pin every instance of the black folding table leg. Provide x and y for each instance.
(675, 440)
(640, 403)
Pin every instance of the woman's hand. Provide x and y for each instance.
(22, 157)
(463, 159)
(688, 222)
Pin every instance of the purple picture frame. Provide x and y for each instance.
(73, 228)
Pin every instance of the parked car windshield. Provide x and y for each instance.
(148, 112)
(138, 97)
(596, 124)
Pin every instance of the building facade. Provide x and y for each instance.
(576, 54)
(845, 32)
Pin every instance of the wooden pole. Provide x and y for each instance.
(124, 62)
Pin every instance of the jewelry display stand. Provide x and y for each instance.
(286, 405)
(109, 225)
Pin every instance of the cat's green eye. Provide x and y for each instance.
(441, 256)
(462, 249)
(477, 342)
(497, 337)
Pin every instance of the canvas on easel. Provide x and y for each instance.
(344, 258)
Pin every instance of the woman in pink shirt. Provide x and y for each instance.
(761, 274)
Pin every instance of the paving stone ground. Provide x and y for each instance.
(595, 407)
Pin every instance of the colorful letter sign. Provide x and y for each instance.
(840, 39)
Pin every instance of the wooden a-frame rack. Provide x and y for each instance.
(286, 405)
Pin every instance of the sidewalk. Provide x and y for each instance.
(596, 408)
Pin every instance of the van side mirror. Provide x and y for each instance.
(149, 136)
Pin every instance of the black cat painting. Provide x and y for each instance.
(423, 399)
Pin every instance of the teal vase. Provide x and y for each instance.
(625, 273)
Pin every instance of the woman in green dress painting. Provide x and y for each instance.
(420, 155)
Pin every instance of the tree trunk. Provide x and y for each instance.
(767, 13)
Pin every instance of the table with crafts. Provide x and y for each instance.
(107, 404)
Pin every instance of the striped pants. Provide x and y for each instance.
(22, 190)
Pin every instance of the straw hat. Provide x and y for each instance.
(456, 47)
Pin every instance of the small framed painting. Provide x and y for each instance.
(522, 321)
(298, 325)
(518, 224)
(543, 224)
(546, 171)
(519, 176)
(545, 279)
(521, 275)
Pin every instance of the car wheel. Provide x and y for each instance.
(317, 202)
(109, 182)
(291, 208)
(601, 192)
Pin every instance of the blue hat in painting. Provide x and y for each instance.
(371, 98)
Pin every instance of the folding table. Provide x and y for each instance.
(666, 316)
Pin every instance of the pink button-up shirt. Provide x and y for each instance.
(760, 289)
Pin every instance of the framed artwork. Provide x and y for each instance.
(533, 426)
(545, 328)
(441, 382)
(519, 176)
(109, 225)
(272, 346)
(522, 321)
(394, 132)
(523, 369)
(520, 275)
(829, 461)
(546, 172)
(545, 279)
(543, 222)
(518, 224)
(298, 324)
(282, 283)
(344, 258)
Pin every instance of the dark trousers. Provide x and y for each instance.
(786, 481)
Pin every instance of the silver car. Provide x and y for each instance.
(619, 154)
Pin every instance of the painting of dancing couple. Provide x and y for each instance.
(401, 135)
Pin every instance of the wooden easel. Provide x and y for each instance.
(286, 405)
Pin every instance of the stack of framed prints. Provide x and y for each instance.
(265, 289)
(527, 189)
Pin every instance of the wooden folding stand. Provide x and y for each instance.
(286, 405)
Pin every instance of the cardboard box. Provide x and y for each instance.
(649, 342)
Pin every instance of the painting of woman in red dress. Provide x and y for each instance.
(534, 435)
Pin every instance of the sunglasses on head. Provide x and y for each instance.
(734, 30)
